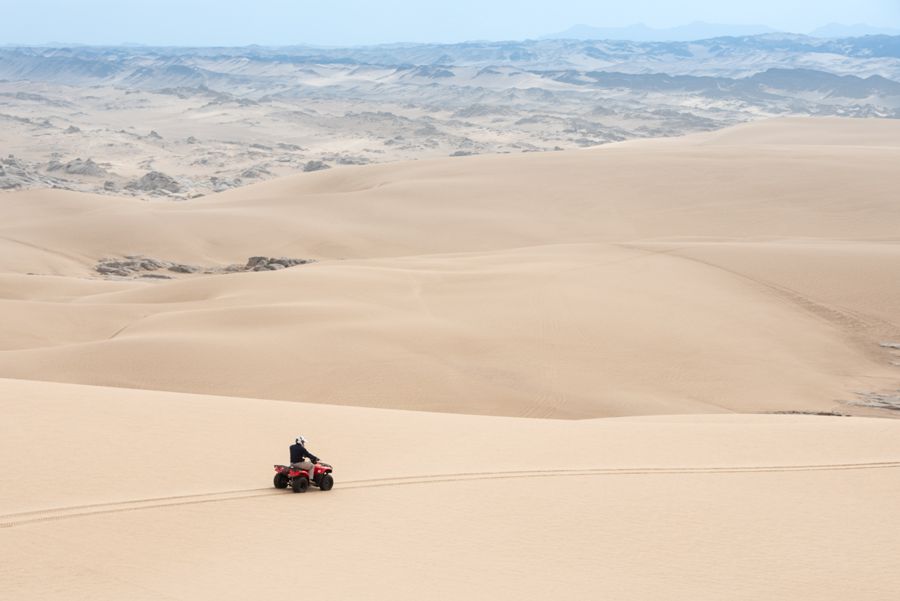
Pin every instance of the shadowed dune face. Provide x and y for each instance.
(746, 270)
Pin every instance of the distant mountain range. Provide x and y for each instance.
(642, 33)
(704, 31)
(836, 30)
(730, 57)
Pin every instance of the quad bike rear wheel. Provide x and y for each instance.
(300, 484)
(280, 481)
(327, 482)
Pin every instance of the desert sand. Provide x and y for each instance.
(144, 495)
(747, 270)
(538, 376)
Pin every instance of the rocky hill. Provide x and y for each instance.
(181, 122)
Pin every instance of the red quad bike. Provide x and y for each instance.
(299, 480)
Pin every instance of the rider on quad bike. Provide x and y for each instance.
(304, 470)
(301, 457)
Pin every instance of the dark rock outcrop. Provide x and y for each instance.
(316, 166)
(78, 167)
(272, 264)
(139, 266)
(155, 182)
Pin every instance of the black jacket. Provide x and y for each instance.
(298, 452)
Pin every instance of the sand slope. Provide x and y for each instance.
(435, 505)
(745, 270)
(559, 331)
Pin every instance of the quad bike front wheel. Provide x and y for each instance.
(326, 483)
(300, 484)
(280, 481)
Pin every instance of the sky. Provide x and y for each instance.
(357, 22)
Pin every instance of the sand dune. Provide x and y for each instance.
(163, 495)
(692, 187)
(810, 132)
(745, 270)
(558, 331)
(843, 282)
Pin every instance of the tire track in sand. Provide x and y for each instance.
(14, 520)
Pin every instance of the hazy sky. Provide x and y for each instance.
(344, 22)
